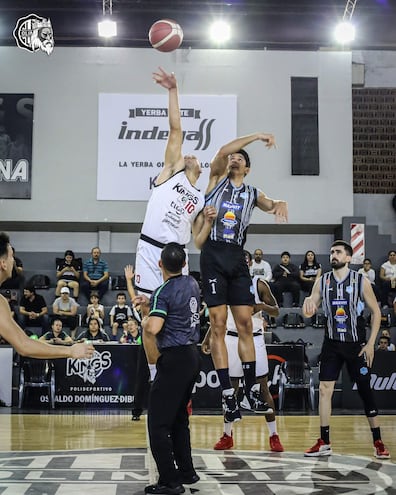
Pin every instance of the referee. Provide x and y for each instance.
(173, 322)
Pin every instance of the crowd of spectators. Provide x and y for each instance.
(67, 316)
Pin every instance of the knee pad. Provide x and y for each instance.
(367, 396)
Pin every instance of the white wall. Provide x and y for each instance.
(66, 86)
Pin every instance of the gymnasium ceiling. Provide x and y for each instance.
(256, 24)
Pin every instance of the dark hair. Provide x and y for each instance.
(245, 156)
(347, 247)
(4, 243)
(69, 252)
(56, 319)
(173, 257)
(247, 254)
(285, 253)
(304, 264)
(385, 337)
(30, 288)
(121, 294)
(391, 251)
(368, 260)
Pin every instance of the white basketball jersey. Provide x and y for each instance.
(172, 209)
(257, 319)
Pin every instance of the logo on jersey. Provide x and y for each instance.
(229, 221)
(186, 201)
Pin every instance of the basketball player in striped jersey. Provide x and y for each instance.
(342, 292)
(225, 275)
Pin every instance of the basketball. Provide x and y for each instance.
(165, 35)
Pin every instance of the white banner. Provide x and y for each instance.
(133, 132)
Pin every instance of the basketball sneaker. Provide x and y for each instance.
(253, 401)
(319, 449)
(380, 451)
(226, 442)
(230, 408)
(275, 443)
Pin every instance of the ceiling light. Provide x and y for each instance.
(220, 31)
(107, 28)
(345, 32)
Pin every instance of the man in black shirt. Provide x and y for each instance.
(33, 310)
(173, 322)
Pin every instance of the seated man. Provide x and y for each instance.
(96, 274)
(368, 272)
(65, 308)
(56, 335)
(94, 332)
(260, 267)
(388, 278)
(33, 310)
(286, 279)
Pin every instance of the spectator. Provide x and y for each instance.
(385, 333)
(384, 343)
(368, 272)
(13, 303)
(310, 271)
(94, 308)
(33, 310)
(388, 277)
(96, 274)
(260, 267)
(56, 335)
(286, 279)
(94, 332)
(68, 274)
(17, 280)
(120, 313)
(65, 308)
(131, 334)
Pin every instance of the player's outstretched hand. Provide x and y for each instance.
(129, 272)
(167, 81)
(269, 139)
(82, 351)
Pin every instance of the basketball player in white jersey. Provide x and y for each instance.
(174, 205)
(175, 202)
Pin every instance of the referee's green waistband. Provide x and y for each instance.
(235, 334)
(155, 243)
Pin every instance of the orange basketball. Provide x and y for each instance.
(165, 35)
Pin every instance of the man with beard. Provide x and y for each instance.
(342, 292)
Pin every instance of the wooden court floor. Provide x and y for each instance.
(65, 453)
(350, 434)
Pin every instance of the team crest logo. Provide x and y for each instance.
(89, 369)
(34, 33)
